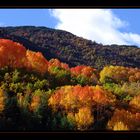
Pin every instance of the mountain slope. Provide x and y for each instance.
(41, 95)
(72, 49)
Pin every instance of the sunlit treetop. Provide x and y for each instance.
(124, 120)
(84, 70)
(57, 63)
(12, 54)
(36, 61)
(77, 96)
(119, 74)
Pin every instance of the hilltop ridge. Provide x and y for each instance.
(72, 49)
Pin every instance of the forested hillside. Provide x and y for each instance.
(37, 94)
(72, 49)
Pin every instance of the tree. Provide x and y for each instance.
(84, 75)
(36, 62)
(12, 54)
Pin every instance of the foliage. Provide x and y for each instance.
(135, 102)
(2, 100)
(84, 75)
(60, 72)
(12, 54)
(71, 97)
(85, 100)
(119, 74)
(84, 118)
(124, 120)
(37, 94)
(116, 89)
(36, 62)
(72, 49)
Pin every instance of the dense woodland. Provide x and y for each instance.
(72, 49)
(37, 94)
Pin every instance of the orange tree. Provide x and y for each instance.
(124, 120)
(36, 62)
(59, 71)
(74, 101)
(84, 75)
(12, 54)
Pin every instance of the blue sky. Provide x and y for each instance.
(17, 17)
(132, 16)
(106, 26)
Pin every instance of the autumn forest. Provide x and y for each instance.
(40, 94)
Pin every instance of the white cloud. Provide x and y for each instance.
(100, 25)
